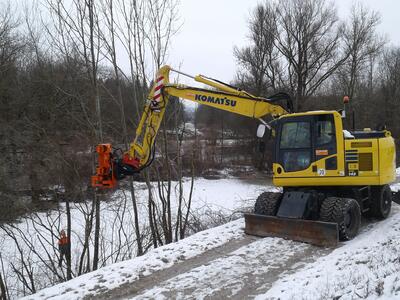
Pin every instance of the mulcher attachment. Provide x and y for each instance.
(105, 173)
(313, 232)
(111, 167)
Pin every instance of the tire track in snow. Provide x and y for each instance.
(134, 288)
(238, 274)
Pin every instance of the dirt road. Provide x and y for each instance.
(239, 269)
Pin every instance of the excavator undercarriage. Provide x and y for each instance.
(320, 216)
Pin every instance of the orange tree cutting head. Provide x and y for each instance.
(105, 175)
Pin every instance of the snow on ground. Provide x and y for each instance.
(240, 271)
(396, 186)
(366, 267)
(225, 196)
(128, 271)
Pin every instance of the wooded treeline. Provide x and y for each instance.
(305, 49)
(63, 89)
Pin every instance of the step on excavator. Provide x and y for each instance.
(330, 177)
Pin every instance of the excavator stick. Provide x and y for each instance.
(105, 175)
(313, 232)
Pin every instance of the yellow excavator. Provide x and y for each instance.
(329, 176)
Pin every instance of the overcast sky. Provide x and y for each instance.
(211, 28)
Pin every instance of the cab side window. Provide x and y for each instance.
(295, 135)
(325, 134)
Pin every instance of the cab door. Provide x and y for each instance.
(325, 146)
(294, 146)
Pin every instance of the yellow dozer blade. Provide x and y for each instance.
(313, 232)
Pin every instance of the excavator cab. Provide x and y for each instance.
(308, 146)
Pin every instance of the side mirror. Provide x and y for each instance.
(261, 130)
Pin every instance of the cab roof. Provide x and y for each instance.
(311, 113)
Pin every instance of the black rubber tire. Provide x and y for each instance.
(267, 203)
(343, 211)
(381, 202)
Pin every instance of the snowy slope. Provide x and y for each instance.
(128, 271)
(116, 213)
(269, 268)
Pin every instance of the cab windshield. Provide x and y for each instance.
(295, 146)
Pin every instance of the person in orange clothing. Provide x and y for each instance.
(64, 246)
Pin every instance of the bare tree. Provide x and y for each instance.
(12, 48)
(363, 44)
(3, 291)
(296, 46)
(4, 295)
(22, 266)
(77, 26)
(389, 91)
(109, 37)
(261, 60)
(162, 22)
(157, 23)
(10, 45)
(309, 38)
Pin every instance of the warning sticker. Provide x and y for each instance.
(321, 152)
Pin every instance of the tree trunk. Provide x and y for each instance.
(3, 291)
(68, 257)
(96, 232)
(136, 219)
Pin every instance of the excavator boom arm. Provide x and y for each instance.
(241, 105)
(224, 97)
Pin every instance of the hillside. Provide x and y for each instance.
(224, 262)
